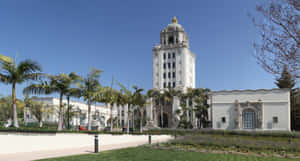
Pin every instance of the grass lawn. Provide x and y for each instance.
(150, 154)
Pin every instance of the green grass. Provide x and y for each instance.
(151, 154)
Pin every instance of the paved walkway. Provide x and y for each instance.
(29, 156)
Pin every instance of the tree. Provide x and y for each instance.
(6, 112)
(168, 98)
(60, 84)
(38, 109)
(128, 99)
(13, 73)
(201, 106)
(279, 33)
(89, 88)
(140, 101)
(286, 80)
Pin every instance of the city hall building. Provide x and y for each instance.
(174, 66)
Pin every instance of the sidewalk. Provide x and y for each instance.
(29, 156)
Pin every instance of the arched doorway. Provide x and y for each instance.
(249, 119)
(163, 124)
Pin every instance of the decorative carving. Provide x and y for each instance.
(256, 106)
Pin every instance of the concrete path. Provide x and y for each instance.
(43, 154)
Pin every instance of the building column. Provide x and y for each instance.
(262, 115)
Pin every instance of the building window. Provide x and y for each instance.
(165, 85)
(174, 74)
(169, 84)
(223, 119)
(275, 119)
(169, 75)
(164, 75)
(249, 119)
(176, 41)
(164, 65)
(169, 65)
(169, 55)
(174, 65)
(174, 55)
(164, 55)
(171, 40)
(174, 84)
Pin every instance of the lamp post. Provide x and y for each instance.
(96, 143)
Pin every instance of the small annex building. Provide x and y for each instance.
(262, 109)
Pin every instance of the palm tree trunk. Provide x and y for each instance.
(15, 114)
(141, 122)
(111, 118)
(128, 119)
(60, 115)
(162, 116)
(89, 116)
(117, 116)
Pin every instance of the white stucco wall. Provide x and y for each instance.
(275, 103)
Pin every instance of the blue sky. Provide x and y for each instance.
(117, 36)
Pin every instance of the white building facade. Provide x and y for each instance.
(251, 110)
(173, 61)
(100, 114)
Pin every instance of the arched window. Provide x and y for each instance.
(249, 119)
(171, 40)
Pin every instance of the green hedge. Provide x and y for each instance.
(161, 132)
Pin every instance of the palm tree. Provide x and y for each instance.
(140, 100)
(13, 73)
(71, 92)
(128, 99)
(168, 98)
(57, 84)
(201, 106)
(89, 88)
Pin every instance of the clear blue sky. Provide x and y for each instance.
(118, 37)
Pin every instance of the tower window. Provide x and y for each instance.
(174, 55)
(169, 75)
(164, 75)
(164, 55)
(174, 65)
(164, 65)
(174, 75)
(169, 65)
(171, 40)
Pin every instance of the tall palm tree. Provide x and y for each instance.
(168, 97)
(140, 100)
(71, 92)
(128, 99)
(89, 88)
(13, 73)
(60, 84)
